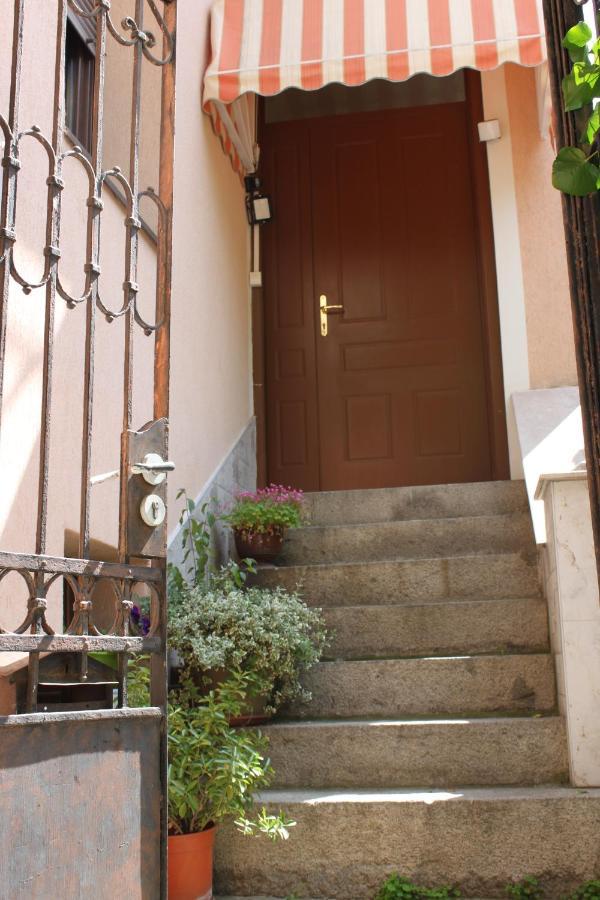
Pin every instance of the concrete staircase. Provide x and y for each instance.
(432, 745)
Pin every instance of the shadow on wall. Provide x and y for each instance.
(551, 440)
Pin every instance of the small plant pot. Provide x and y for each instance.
(258, 545)
(190, 866)
(254, 710)
(256, 713)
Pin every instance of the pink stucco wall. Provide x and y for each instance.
(545, 279)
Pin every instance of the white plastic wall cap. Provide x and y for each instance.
(489, 131)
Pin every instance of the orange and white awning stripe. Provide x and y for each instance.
(265, 46)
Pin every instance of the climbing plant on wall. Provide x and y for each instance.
(576, 170)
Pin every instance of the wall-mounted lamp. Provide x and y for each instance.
(258, 205)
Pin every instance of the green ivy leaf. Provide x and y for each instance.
(573, 174)
(593, 125)
(577, 92)
(576, 41)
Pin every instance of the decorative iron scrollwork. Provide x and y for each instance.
(130, 586)
(39, 574)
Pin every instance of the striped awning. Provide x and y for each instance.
(265, 46)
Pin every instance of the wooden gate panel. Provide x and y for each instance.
(80, 799)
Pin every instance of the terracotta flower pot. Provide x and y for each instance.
(191, 865)
(258, 545)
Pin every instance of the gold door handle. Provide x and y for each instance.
(326, 310)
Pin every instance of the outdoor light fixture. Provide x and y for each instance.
(258, 205)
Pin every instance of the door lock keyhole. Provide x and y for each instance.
(153, 510)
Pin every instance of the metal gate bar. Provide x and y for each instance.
(154, 45)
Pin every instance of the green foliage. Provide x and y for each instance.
(214, 769)
(196, 542)
(573, 173)
(271, 633)
(198, 568)
(261, 640)
(576, 42)
(398, 888)
(575, 170)
(269, 510)
(138, 681)
(588, 891)
(529, 887)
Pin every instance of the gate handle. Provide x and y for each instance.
(153, 468)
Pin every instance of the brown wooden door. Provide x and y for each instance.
(377, 212)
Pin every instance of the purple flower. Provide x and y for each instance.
(274, 493)
(140, 621)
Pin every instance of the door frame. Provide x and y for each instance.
(488, 288)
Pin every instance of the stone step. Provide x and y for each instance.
(436, 629)
(412, 539)
(423, 502)
(438, 753)
(490, 576)
(452, 685)
(345, 843)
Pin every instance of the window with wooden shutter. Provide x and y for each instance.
(79, 77)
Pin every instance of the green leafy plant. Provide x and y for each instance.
(396, 887)
(575, 170)
(268, 511)
(588, 891)
(528, 887)
(197, 563)
(196, 544)
(214, 770)
(138, 681)
(271, 633)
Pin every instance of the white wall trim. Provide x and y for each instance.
(511, 293)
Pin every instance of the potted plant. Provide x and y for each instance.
(218, 624)
(271, 634)
(214, 771)
(259, 520)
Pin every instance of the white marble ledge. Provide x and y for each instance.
(545, 480)
(550, 431)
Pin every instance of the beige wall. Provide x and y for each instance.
(210, 385)
(210, 396)
(545, 279)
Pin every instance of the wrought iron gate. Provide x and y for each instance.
(94, 778)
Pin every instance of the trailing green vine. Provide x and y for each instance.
(576, 170)
(527, 889)
(396, 887)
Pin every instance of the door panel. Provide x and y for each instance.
(385, 226)
(292, 435)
